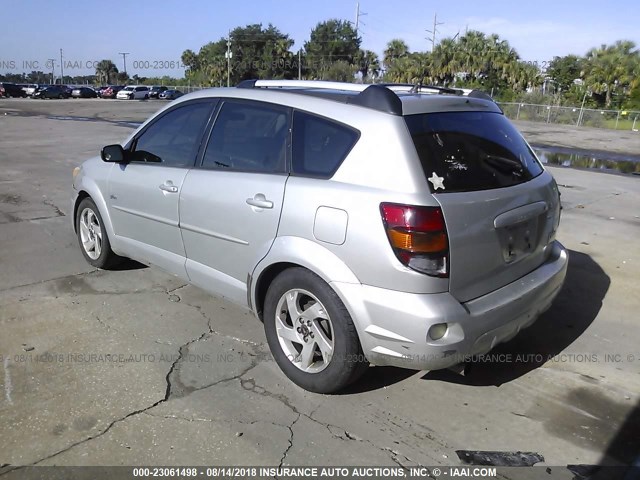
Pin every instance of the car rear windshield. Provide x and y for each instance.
(471, 151)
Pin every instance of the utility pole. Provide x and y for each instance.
(433, 32)
(61, 69)
(300, 64)
(228, 54)
(358, 15)
(53, 68)
(124, 59)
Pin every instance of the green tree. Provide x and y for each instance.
(340, 71)
(564, 70)
(37, 77)
(610, 68)
(256, 52)
(396, 49)
(444, 62)
(368, 65)
(106, 72)
(190, 61)
(260, 52)
(413, 68)
(329, 42)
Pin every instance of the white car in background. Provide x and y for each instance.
(133, 92)
(30, 89)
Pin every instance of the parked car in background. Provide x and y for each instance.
(170, 94)
(30, 89)
(133, 92)
(156, 90)
(83, 92)
(398, 225)
(111, 91)
(100, 90)
(8, 89)
(52, 91)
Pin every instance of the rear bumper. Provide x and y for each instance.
(393, 325)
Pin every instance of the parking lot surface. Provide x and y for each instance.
(134, 367)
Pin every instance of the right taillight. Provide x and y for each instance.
(418, 236)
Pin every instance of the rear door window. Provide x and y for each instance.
(320, 145)
(471, 150)
(250, 137)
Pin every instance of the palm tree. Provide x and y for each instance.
(443, 62)
(472, 52)
(190, 60)
(106, 71)
(610, 67)
(396, 48)
(368, 64)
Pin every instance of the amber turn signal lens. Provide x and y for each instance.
(418, 242)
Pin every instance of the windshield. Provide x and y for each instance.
(471, 150)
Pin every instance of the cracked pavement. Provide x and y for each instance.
(133, 367)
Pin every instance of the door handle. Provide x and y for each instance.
(168, 186)
(259, 201)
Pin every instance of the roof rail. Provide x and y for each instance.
(379, 96)
(371, 96)
(321, 84)
(417, 88)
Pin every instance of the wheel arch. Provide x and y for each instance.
(93, 192)
(290, 252)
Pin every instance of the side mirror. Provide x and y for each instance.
(113, 153)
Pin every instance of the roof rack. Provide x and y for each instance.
(319, 84)
(378, 96)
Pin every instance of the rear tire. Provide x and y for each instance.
(311, 334)
(92, 236)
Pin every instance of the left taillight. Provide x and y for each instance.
(418, 236)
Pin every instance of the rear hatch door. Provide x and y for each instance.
(500, 206)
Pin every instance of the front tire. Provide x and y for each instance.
(92, 236)
(311, 334)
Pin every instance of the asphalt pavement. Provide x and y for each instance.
(133, 367)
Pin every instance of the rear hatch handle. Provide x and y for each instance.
(520, 214)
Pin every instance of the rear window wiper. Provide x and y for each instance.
(503, 164)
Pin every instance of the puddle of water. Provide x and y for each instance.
(601, 161)
(81, 119)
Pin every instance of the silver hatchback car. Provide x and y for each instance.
(363, 224)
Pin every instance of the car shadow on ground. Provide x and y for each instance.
(376, 378)
(128, 264)
(574, 309)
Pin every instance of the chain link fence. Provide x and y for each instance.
(613, 119)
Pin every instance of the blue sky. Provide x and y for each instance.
(161, 30)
